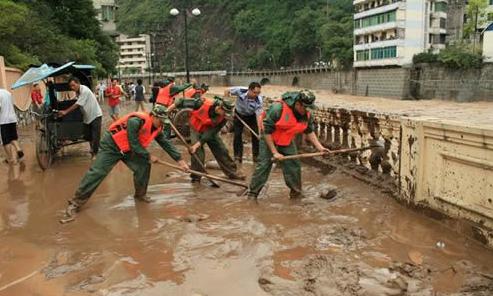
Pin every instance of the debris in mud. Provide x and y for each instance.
(342, 237)
(329, 193)
(415, 257)
(64, 263)
(335, 275)
(440, 245)
(194, 218)
(89, 282)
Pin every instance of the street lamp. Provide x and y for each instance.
(195, 12)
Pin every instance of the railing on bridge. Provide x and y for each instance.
(300, 70)
(339, 128)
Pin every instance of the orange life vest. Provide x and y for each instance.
(164, 96)
(118, 130)
(200, 119)
(192, 92)
(287, 127)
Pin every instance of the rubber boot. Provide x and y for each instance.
(238, 176)
(141, 195)
(294, 194)
(70, 212)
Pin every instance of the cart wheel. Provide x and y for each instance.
(44, 154)
(181, 121)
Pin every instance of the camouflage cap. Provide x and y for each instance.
(160, 112)
(176, 89)
(204, 86)
(306, 97)
(225, 104)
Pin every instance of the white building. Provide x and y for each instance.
(105, 13)
(391, 32)
(488, 43)
(135, 54)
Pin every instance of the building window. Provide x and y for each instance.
(362, 55)
(443, 22)
(384, 53)
(107, 13)
(376, 19)
(440, 7)
(357, 24)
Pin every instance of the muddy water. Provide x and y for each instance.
(469, 113)
(195, 240)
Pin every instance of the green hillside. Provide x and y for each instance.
(244, 34)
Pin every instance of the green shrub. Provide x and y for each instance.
(455, 56)
(425, 57)
(460, 57)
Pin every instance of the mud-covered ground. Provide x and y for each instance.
(196, 240)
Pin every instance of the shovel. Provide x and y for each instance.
(208, 176)
(182, 139)
(247, 126)
(308, 155)
(332, 152)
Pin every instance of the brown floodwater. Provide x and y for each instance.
(196, 240)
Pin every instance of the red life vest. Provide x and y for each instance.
(200, 119)
(118, 130)
(164, 96)
(287, 127)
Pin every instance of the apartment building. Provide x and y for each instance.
(106, 14)
(391, 32)
(135, 54)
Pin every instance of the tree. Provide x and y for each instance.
(34, 32)
(12, 18)
(476, 16)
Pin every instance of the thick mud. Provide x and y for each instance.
(196, 240)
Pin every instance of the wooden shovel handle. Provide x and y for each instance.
(200, 174)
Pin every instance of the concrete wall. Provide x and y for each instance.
(441, 166)
(22, 96)
(340, 81)
(390, 82)
(435, 82)
(448, 167)
(421, 82)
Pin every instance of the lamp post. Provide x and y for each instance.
(195, 12)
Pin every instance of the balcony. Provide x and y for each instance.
(132, 53)
(381, 43)
(438, 46)
(137, 47)
(381, 9)
(378, 28)
(130, 60)
(437, 30)
(379, 63)
(439, 14)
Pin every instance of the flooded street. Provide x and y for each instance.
(196, 240)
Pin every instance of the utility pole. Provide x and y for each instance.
(195, 12)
